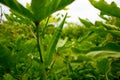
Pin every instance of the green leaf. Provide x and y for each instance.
(39, 9)
(53, 43)
(103, 66)
(15, 17)
(29, 46)
(87, 23)
(111, 27)
(4, 55)
(43, 8)
(81, 58)
(14, 5)
(112, 46)
(103, 54)
(8, 77)
(110, 9)
(61, 43)
(109, 46)
(115, 32)
(75, 50)
(85, 37)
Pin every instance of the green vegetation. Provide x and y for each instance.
(33, 48)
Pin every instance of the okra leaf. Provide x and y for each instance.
(43, 8)
(15, 17)
(40, 9)
(16, 6)
(110, 9)
(52, 45)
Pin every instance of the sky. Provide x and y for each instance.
(79, 8)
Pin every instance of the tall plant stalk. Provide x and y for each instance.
(38, 42)
(43, 75)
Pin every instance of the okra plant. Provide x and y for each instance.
(39, 10)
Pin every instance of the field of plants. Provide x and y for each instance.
(34, 45)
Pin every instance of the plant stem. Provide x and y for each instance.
(106, 76)
(38, 42)
(43, 75)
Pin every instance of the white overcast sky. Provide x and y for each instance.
(79, 8)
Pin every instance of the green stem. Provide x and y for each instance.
(106, 76)
(43, 75)
(38, 42)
